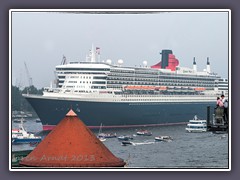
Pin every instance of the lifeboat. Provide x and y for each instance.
(199, 89)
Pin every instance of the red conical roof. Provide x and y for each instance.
(71, 144)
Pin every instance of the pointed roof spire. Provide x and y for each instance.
(71, 113)
(71, 144)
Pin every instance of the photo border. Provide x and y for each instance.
(140, 169)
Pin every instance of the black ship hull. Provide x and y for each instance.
(118, 114)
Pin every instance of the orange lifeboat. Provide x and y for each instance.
(199, 89)
(163, 88)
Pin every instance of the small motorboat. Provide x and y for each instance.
(144, 133)
(125, 138)
(125, 143)
(38, 121)
(107, 135)
(196, 125)
(102, 139)
(163, 138)
(19, 120)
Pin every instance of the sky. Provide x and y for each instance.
(40, 39)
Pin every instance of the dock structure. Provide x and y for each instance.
(218, 122)
(71, 144)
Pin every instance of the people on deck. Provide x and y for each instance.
(219, 102)
(225, 106)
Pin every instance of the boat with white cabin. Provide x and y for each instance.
(163, 138)
(20, 136)
(143, 132)
(197, 125)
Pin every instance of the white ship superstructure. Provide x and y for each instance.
(223, 86)
(91, 78)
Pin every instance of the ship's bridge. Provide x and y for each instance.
(82, 76)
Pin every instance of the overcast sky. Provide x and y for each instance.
(42, 38)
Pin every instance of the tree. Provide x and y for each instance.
(16, 98)
(19, 103)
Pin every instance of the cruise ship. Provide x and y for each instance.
(101, 92)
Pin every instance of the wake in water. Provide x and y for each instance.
(143, 143)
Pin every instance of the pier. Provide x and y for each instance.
(217, 123)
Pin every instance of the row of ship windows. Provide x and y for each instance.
(119, 72)
(141, 83)
(70, 72)
(161, 84)
(163, 77)
(223, 85)
(223, 80)
(146, 82)
(139, 79)
(157, 80)
(136, 71)
(133, 72)
(145, 100)
(85, 82)
(120, 86)
(84, 87)
(83, 77)
(82, 69)
(81, 91)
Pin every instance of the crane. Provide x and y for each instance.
(28, 75)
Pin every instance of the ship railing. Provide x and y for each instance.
(164, 95)
(48, 89)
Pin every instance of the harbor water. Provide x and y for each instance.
(187, 150)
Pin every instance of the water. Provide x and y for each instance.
(187, 150)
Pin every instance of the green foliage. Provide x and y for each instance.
(19, 103)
